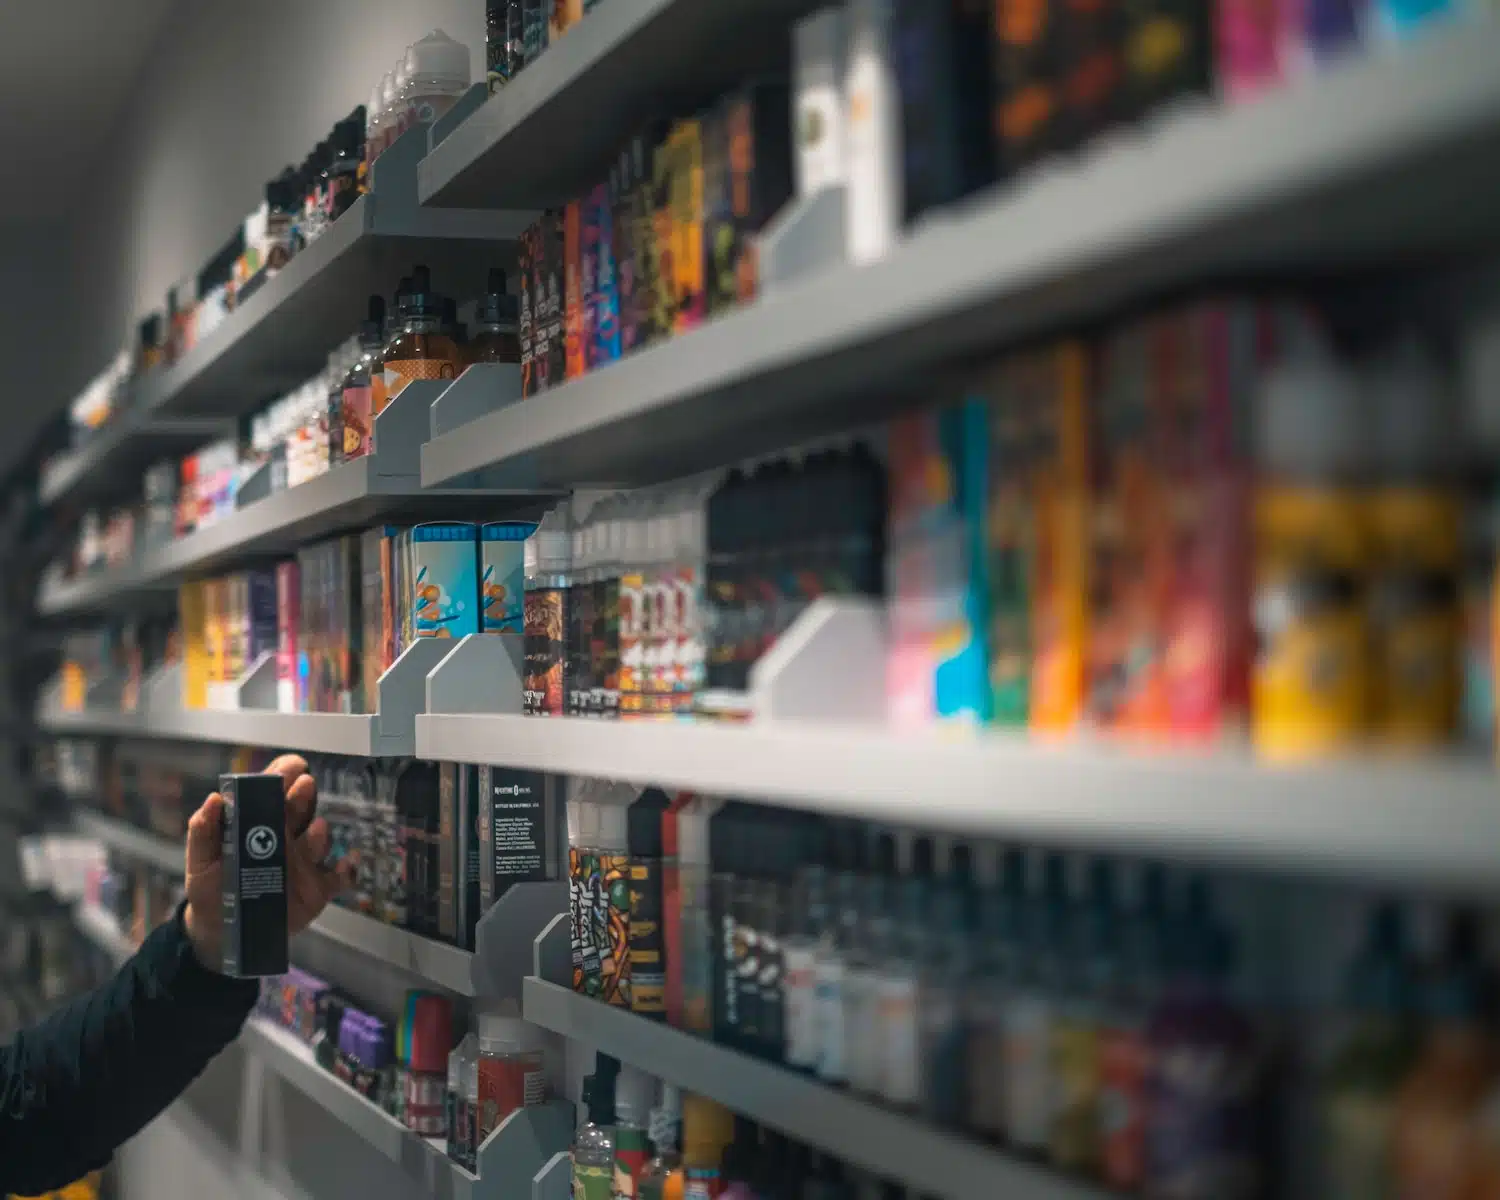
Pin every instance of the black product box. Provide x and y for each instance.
(514, 842)
(458, 854)
(758, 141)
(254, 875)
(945, 74)
(549, 345)
(417, 788)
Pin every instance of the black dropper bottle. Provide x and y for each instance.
(497, 336)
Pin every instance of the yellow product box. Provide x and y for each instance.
(192, 617)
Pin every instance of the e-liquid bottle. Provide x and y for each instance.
(661, 1178)
(594, 1146)
(835, 951)
(898, 1037)
(995, 951)
(728, 831)
(648, 960)
(740, 1158)
(862, 986)
(1027, 1024)
(584, 537)
(1132, 964)
(1074, 1142)
(809, 920)
(946, 958)
(546, 583)
(497, 336)
(634, 1090)
(707, 1128)
(700, 939)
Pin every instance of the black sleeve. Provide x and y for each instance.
(94, 1073)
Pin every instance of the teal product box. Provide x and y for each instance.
(502, 547)
(445, 579)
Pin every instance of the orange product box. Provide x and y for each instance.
(574, 363)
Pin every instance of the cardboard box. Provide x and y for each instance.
(255, 886)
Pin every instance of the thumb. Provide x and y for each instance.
(205, 835)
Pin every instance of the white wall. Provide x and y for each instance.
(231, 93)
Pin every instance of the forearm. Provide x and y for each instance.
(93, 1074)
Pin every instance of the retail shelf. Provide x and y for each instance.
(1379, 159)
(508, 1160)
(283, 332)
(1403, 821)
(352, 495)
(885, 1143)
(163, 853)
(87, 723)
(441, 965)
(104, 931)
(555, 128)
(117, 454)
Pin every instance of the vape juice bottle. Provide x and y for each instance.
(648, 965)
(661, 1178)
(421, 349)
(633, 606)
(1360, 1089)
(634, 1090)
(700, 939)
(546, 585)
(356, 406)
(1083, 934)
(836, 951)
(604, 634)
(898, 1077)
(1201, 1137)
(863, 1031)
(1027, 1088)
(579, 700)
(583, 829)
(497, 336)
(946, 956)
(594, 1146)
(727, 834)
(810, 920)
(707, 1128)
(612, 896)
(997, 950)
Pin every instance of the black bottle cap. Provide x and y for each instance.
(961, 865)
(726, 846)
(372, 328)
(498, 307)
(643, 823)
(885, 854)
(923, 858)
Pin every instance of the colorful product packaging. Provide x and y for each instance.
(758, 120)
(938, 666)
(502, 576)
(600, 279)
(445, 586)
(574, 300)
(684, 153)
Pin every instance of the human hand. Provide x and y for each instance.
(309, 884)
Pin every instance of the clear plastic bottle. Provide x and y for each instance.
(865, 969)
(594, 1146)
(633, 1094)
(375, 119)
(898, 1075)
(661, 1178)
(497, 324)
(437, 71)
(512, 1072)
(383, 123)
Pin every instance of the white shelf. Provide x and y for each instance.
(574, 107)
(353, 735)
(293, 1060)
(1379, 158)
(508, 1159)
(163, 853)
(1404, 821)
(123, 448)
(876, 1139)
(104, 931)
(439, 964)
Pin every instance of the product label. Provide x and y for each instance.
(1027, 1087)
(1199, 1135)
(612, 928)
(358, 421)
(632, 646)
(545, 651)
(593, 1183)
(941, 1061)
(698, 956)
(512, 827)
(401, 371)
(604, 648)
(593, 941)
(632, 1153)
(1074, 1046)
(829, 984)
(648, 979)
(984, 1057)
(799, 992)
(1359, 1145)
(864, 1051)
(579, 672)
(898, 1040)
(1123, 1062)
(701, 1183)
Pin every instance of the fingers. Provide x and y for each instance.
(301, 802)
(341, 878)
(289, 766)
(316, 840)
(205, 835)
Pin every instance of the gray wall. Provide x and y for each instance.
(230, 94)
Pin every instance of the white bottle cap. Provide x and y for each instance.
(1411, 414)
(1311, 423)
(438, 58)
(500, 1034)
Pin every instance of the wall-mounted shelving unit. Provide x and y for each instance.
(166, 854)
(567, 114)
(120, 451)
(890, 1145)
(1404, 822)
(1383, 155)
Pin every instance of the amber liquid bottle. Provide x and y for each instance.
(497, 337)
(421, 348)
